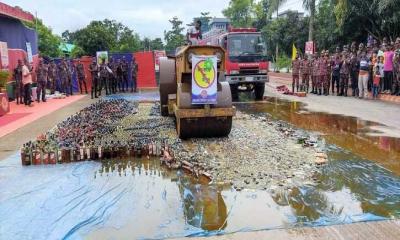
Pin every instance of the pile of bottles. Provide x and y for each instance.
(33, 153)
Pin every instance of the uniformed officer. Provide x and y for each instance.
(336, 65)
(119, 76)
(112, 79)
(344, 73)
(94, 71)
(104, 75)
(324, 85)
(124, 69)
(134, 70)
(396, 68)
(316, 74)
(63, 71)
(19, 88)
(354, 68)
(52, 76)
(321, 73)
(70, 72)
(41, 76)
(295, 73)
(80, 71)
(305, 74)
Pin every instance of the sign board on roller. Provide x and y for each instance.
(204, 79)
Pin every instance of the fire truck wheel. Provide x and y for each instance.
(234, 91)
(259, 91)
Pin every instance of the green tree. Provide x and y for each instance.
(240, 13)
(205, 19)
(379, 18)
(327, 34)
(67, 36)
(310, 6)
(285, 32)
(156, 44)
(106, 35)
(174, 37)
(48, 42)
(128, 41)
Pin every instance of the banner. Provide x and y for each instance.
(4, 54)
(310, 48)
(29, 51)
(204, 79)
(157, 56)
(100, 56)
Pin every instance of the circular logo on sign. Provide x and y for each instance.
(204, 73)
(4, 104)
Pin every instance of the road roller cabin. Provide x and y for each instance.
(195, 120)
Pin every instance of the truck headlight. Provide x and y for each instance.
(234, 72)
(263, 71)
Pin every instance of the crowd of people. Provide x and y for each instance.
(372, 68)
(111, 76)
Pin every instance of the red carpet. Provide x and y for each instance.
(8, 118)
(20, 115)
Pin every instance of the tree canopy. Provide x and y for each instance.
(240, 12)
(104, 35)
(48, 42)
(174, 37)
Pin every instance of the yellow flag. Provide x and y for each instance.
(294, 52)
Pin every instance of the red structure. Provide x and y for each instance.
(146, 75)
(15, 12)
(16, 40)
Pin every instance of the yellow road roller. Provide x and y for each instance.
(194, 91)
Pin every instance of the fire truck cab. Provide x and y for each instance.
(246, 61)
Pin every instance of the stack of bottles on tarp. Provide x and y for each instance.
(43, 151)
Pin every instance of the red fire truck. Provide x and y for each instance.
(246, 60)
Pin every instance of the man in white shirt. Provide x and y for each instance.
(27, 83)
(194, 33)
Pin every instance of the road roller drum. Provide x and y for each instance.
(195, 120)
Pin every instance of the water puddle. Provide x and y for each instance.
(139, 199)
(361, 138)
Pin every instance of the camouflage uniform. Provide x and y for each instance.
(112, 79)
(323, 76)
(52, 77)
(134, 70)
(305, 74)
(120, 77)
(315, 75)
(336, 65)
(80, 71)
(41, 75)
(19, 88)
(344, 75)
(295, 74)
(104, 75)
(63, 71)
(70, 74)
(396, 71)
(354, 73)
(94, 71)
(124, 69)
